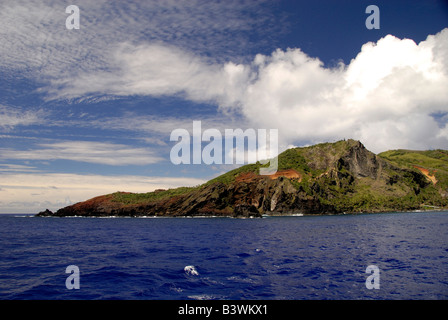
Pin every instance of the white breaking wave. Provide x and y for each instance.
(206, 297)
(191, 270)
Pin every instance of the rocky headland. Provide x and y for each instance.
(328, 178)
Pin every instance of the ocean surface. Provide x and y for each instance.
(273, 258)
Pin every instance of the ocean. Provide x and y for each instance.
(270, 258)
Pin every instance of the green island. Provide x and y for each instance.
(327, 178)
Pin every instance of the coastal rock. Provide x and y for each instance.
(46, 213)
(246, 210)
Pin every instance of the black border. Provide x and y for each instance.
(276, 309)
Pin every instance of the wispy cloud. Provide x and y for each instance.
(159, 126)
(156, 70)
(35, 41)
(8, 168)
(84, 151)
(12, 117)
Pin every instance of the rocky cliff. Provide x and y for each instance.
(328, 178)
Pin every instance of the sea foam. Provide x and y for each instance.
(191, 270)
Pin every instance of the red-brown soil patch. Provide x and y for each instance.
(246, 177)
(427, 174)
(288, 173)
(94, 202)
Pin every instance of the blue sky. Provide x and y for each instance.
(90, 111)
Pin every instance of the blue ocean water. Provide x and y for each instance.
(287, 258)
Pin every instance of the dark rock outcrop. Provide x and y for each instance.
(46, 213)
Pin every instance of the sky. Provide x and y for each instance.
(90, 111)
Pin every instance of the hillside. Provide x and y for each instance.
(433, 164)
(328, 178)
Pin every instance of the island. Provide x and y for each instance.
(327, 178)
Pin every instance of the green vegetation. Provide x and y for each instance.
(309, 161)
(140, 198)
(230, 176)
(402, 189)
(435, 161)
(293, 159)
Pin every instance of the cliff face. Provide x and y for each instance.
(326, 178)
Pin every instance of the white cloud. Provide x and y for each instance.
(34, 192)
(163, 126)
(35, 41)
(384, 97)
(12, 117)
(17, 168)
(157, 70)
(84, 151)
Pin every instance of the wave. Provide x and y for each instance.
(282, 215)
(206, 297)
(191, 270)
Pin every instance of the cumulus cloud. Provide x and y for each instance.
(385, 97)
